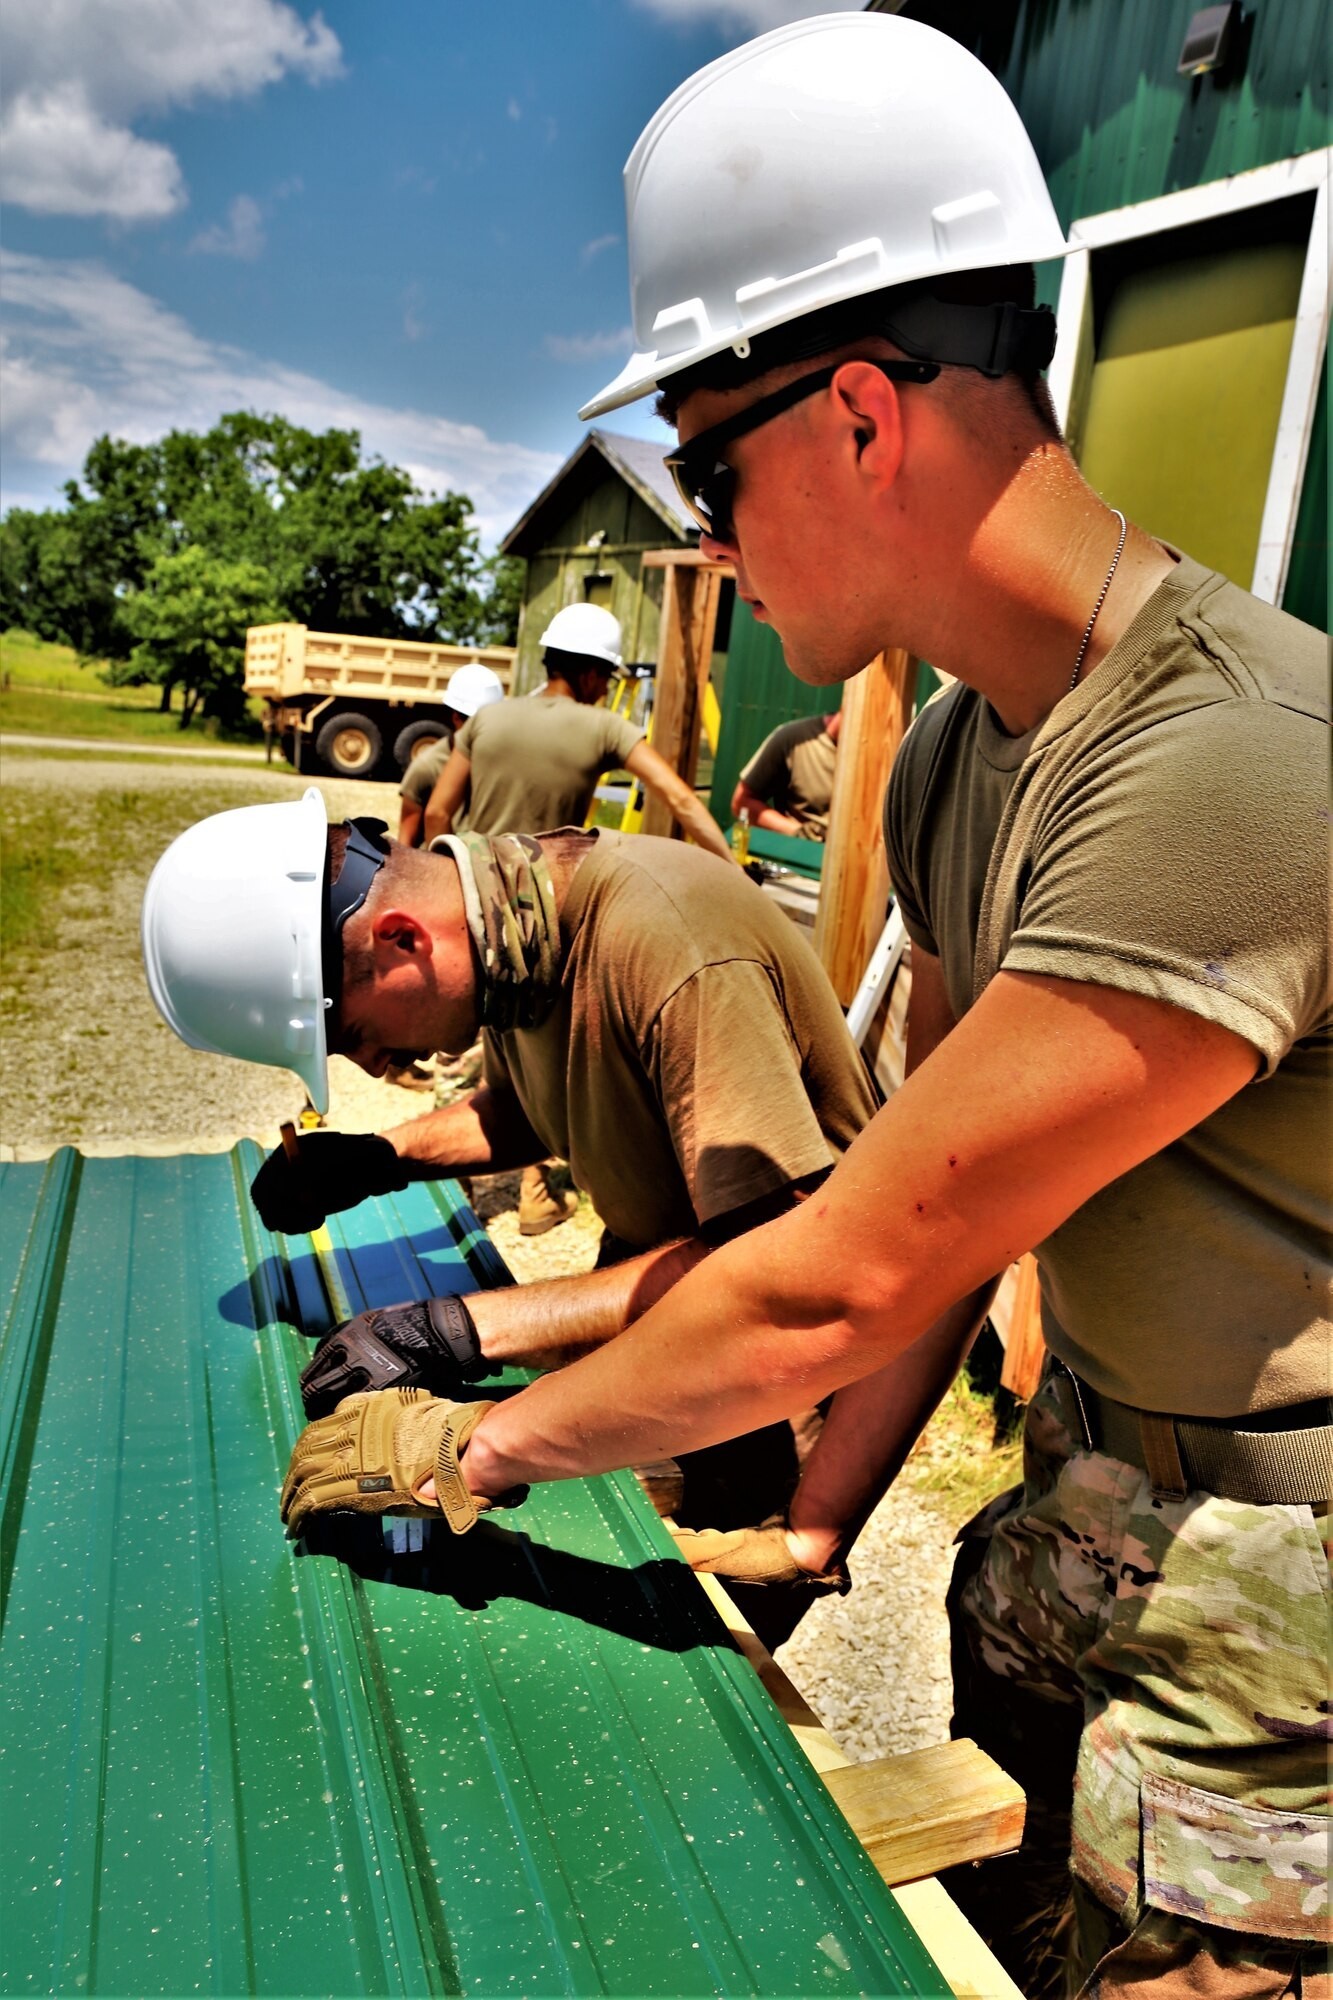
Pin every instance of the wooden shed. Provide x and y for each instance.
(584, 538)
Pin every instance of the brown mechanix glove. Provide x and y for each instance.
(375, 1451)
(755, 1555)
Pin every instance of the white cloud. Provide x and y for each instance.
(742, 17)
(576, 347)
(57, 157)
(514, 109)
(86, 353)
(242, 234)
(78, 72)
(596, 247)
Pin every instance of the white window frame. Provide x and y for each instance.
(1071, 368)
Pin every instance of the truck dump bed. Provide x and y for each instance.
(285, 661)
(526, 1762)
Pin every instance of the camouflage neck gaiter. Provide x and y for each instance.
(514, 923)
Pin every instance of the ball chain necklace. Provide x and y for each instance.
(1087, 632)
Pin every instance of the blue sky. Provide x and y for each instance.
(401, 215)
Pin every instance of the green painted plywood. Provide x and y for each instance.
(1186, 392)
(524, 1762)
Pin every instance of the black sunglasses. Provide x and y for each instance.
(707, 484)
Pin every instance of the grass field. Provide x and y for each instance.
(46, 690)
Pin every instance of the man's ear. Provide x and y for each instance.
(871, 405)
(396, 930)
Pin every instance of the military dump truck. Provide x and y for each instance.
(355, 707)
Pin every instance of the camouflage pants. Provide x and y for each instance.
(1155, 1674)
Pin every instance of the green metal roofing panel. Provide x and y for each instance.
(525, 1762)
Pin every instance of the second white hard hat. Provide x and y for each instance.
(471, 687)
(833, 157)
(587, 629)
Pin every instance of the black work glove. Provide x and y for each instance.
(425, 1344)
(332, 1170)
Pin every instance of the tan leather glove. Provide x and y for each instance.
(374, 1453)
(754, 1555)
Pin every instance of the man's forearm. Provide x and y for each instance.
(763, 814)
(485, 1133)
(436, 822)
(1045, 1092)
(703, 829)
(869, 1431)
(548, 1325)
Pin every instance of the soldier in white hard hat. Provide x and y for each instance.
(470, 687)
(645, 1011)
(1108, 840)
(534, 764)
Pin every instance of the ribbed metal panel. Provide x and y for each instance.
(1095, 82)
(526, 1762)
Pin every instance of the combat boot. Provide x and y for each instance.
(540, 1206)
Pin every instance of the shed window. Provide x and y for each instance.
(598, 587)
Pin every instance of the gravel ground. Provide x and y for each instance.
(87, 1061)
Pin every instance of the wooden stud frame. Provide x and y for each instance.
(1071, 369)
(692, 591)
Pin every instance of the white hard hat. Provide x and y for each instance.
(236, 916)
(588, 629)
(834, 157)
(471, 687)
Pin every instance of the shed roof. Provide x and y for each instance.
(638, 463)
(525, 1762)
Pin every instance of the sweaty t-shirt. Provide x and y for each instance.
(535, 763)
(698, 1058)
(793, 769)
(1164, 831)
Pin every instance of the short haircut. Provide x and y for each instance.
(832, 327)
(567, 666)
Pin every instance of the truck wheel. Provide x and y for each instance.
(351, 745)
(417, 736)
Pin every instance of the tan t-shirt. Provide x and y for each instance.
(698, 1058)
(536, 762)
(1164, 831)
(794, 769)
(420, 775)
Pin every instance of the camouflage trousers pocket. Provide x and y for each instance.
(1212, 1861)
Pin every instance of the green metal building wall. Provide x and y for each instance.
(759, 692)
(1113, 124)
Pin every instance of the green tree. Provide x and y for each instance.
(502, 603)
(348, 542)
(190, 619)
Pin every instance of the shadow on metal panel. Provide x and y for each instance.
(526, 1761)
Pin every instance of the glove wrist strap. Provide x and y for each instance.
(455, 1327)
(452, 1491)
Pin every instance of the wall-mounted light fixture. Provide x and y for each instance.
(1208, 40)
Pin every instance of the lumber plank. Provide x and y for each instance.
(929, 1809)
(943, 1775)
(690, 597)
(969, 1965)
(854, 881)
